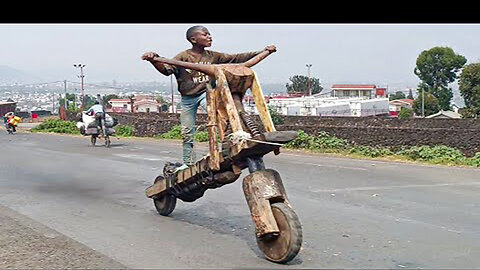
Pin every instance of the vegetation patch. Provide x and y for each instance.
(321, 142)
(175, 133)
(440, 154)
(57, 126)
(123, 130)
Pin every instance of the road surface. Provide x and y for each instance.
(66, 204)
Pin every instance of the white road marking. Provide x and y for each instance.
(393, 187)
(133, 156)
(331, 166)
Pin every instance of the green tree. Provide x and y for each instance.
(89, 101)
(397, 95)
(410, 94)
(277, 118)
(300, 84)
(469, 86)
(107, 98)
(431, 104)
(436, 68)
(405, 113)
(72, 102)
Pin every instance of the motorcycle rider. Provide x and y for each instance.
(11, 121)
(97, 111)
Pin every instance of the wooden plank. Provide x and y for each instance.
(214, 160)
(258, 188)
(155, 189)
(222, 86)
(261, 104)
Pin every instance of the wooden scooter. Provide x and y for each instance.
(236, 142)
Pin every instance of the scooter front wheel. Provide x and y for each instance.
(93, 140)
(283, 247)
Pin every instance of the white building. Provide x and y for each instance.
(330, 106)
(146, 105)
(120, 105)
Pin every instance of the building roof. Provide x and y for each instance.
(146, 101)
(119, 101)
(405, 101)
(7, 103)
(353, 86)
(449, 114)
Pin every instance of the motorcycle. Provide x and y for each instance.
(88, 127)
(11, 124)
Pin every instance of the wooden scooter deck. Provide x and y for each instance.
(269, 141)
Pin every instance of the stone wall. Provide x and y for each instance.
(463, 134)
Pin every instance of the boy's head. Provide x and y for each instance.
(199, 36)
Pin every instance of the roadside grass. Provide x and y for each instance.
(175, 133)
(438, 154)
(320, 143)
(57, 126)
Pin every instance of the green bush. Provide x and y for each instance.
(303, 140)
(370, 151)
(174, 133)
(475, 160)
(277, 118)
(436, 154)
(124, 130)
(201, 136)
(322, 141)
(325, 141)
(405, 113)
(57, 126)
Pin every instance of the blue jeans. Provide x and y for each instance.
(187, 120)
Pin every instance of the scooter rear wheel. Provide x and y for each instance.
(284, 247)
(107, 141)
(166, 203)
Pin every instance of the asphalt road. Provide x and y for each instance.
(355, 213)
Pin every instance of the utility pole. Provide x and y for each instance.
(53, 103)
(171, 88)
(423, 103)
(81, 77)
(65, 104)
(308, 81)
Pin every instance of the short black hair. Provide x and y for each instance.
(193, 29)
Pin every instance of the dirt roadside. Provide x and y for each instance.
(27, 244)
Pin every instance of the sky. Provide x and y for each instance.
(381, 54)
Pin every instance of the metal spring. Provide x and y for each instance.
(250, 123)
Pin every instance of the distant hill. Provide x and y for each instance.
(269, 88)
(11, 75)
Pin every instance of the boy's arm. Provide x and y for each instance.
(165, 69)
(224, 58)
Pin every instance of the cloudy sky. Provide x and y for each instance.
(382, 54)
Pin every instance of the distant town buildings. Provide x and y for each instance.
(344, 100)
(120, 105)
(358, 100)
(7, 106)
(397, 105)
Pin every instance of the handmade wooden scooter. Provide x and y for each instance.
(236, 142)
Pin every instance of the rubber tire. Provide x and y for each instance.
(284, 247)
(93, 140)
(166, 203)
